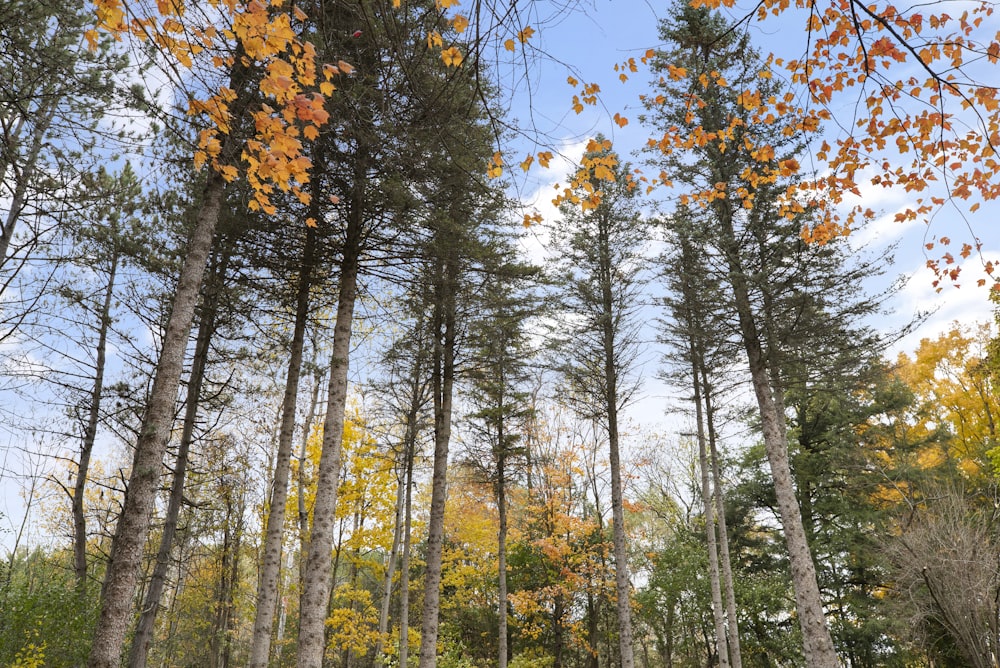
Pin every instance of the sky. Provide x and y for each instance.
(585, 41)
(588, 42)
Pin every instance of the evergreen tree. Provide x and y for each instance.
(598, 262)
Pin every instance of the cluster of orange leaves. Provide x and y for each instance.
(941, 125)
(293, 88)
(938, 123)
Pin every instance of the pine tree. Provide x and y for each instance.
(598, 260)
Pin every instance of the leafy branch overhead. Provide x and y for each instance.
(257, 34)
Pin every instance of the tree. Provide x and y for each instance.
(728, 154)
(870, 46)
(945, 562)
(210, 306)
(499, 361)
(259, 37)
(599, 251)
(53, 96)
(267, 591)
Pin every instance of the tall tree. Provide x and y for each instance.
(257, 37)
(599, 257)
(733, 168)
(498, 362)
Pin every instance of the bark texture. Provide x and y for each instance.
(132, 529)
(316, 581)
(154, 592)
(270, 568)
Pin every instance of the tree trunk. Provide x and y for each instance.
(22, 180)
(151, 603)
(502, 554)
(303, 512)
(390, 567)
(443, 380)
(735, 652)
(90, 431)
(622, 586)
(270, 569)
(133, 524)
(316, 584)
(817, 642)
(722, 647)
(404, 566)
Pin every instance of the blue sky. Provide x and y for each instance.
(586, 44)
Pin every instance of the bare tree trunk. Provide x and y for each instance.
(502, 555)
(228, 572)
(22, 178)
(270, 569)
(390, 567)
(404, 566)
(316, 584)
(151, 603)
(443, 379)
(133, 524)
(722, 647)
(90, 431)
(622, 586)
(817, 642)
(735, 652)
(303, 512)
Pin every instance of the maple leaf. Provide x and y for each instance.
(452, 57)
(509, 44)
(525, 35)
(460, 23)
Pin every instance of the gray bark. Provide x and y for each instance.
(443, 380)
(270, 569)
(132, 529)
(707, 496)
(22, 178)
(733, 625)
(303, 512)
(390, 569)
(404, 566)
(139, 650)
(622, 586)
(316, 583)
(502, 559)
(90, 431)
(817, 642)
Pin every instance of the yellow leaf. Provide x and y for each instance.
(571, 81)
(526, 163)
(310, 222)
(460, 23)
(434, 39)
(509, 45)
(345, 67)
(544, 157)
(452, 57)
(327, 88)
(310, 132)
(525, 34)
(621, 120)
